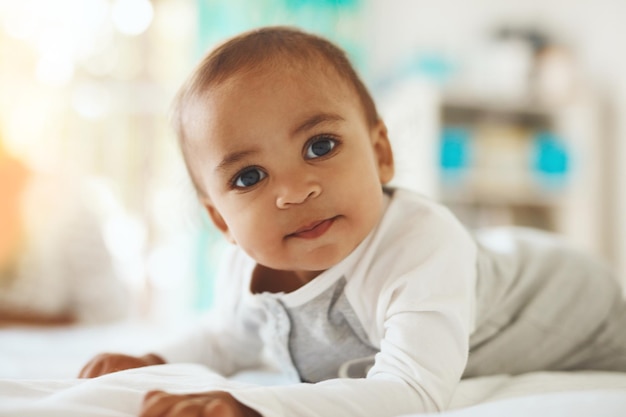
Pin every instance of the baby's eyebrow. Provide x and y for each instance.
(233, 158)
(315, 120)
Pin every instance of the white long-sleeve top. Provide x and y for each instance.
(417, 295)
(405, 294)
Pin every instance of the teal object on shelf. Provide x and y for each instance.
(454, 148)
(550, 154)
(550, 160)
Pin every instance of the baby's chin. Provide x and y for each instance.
(305, 262)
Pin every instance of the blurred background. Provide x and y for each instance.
(509, 112)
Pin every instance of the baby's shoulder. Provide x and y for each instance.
(412, 217)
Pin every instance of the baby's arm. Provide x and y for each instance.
(105, 363)
(208, 404)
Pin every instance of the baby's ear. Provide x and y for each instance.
(383, 152)
(218, 220)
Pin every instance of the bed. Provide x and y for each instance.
(38, 368)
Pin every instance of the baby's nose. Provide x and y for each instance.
(295, 194)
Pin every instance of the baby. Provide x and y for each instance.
(331, 267)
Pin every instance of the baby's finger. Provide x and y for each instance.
(187, 407)
(150, 395)
(158, 404)
(91, 369)
(218, 408)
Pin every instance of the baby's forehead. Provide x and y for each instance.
(292, 90)
(313, 66)
(315, 81)
(307, 77)
(286, 73)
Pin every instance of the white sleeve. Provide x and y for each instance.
(423, 319)
(335, 397)
(227, 339)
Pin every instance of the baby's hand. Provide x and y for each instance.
(207, 404)
(105, 363)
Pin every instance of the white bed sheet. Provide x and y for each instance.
(38, 368)
(60, 352)
(588, 394)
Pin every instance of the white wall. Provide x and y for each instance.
(594, 29)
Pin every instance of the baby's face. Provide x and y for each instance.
(292, 169)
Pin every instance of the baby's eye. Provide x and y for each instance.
(320, 147)
(248, 178)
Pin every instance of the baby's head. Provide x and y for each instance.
(285, 148)
(268, 49)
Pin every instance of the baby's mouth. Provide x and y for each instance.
(314, 229)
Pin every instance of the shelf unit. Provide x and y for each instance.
(508, 192)
(522, 163)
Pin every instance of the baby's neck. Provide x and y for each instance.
(266, 279)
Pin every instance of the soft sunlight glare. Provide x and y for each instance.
(126, 236)
(55, 67)
(91, 100)
(132, 17)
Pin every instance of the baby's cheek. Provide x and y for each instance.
(257, 241)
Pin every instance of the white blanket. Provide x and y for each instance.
(120, 394)
(38, 368)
